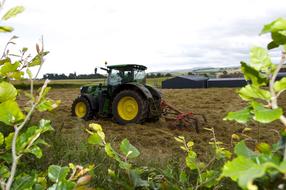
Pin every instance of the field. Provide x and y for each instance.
(154, 140)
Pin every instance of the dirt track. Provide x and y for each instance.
(156, 140)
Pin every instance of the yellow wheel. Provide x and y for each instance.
(81, 108)
(129, 107)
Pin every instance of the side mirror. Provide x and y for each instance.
(95, 70)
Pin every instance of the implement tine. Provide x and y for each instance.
(196, 123)
(202, 115)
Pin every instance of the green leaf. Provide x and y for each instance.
(282, 166)
(63, 185)
(280, 85)
(30, 75)
(278, 38)
(128, 149)
(242, 116)
(191, 160)
(6, 29)
(10, 112)
(23, 182)
(35, 150)
(8, 141)
(263, 148)
(245, 171)
(277, 25)
(272, 45)
(259, 59)
(241, 149)
(2, 61)
(37, 60)
(183, 177)
(7, 91)
(95, 127)
(95, 139)
(4, 172)
(179, 140)
(48, 105)
(1, 138)
(251, 92)
(13, 12)
(57, 173)
(9, 68)
(32, 134)
(111, 152)
(209, 178)
(252, 74)
(17, 75)
(45, 125)
(265, 115)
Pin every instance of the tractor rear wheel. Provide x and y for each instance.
(81, 108)
(129, 106)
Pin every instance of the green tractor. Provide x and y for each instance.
(126, 98)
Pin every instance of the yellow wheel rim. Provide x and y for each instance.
(127, 108)
(80, 109)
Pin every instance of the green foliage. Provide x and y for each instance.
(13, 12)
(242, 116)
(265, 115)
(253, 170)
(10, 112)
(128, 149)
(7, 91)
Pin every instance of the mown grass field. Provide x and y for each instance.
(154, 140)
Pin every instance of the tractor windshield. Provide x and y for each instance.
(117, 76)
(139, 75)
(114, 78)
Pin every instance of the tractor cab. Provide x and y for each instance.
(121, 74)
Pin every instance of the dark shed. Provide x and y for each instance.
(280, 75)
(185, 82)
(227, 82)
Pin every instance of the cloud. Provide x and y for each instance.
(161, 34)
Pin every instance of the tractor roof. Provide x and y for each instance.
(127, 66)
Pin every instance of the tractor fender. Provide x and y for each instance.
(155, 92)
(92, 100)
(135, 86)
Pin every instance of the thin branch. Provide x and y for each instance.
(41, 57)
(274, 96)
(15, 157)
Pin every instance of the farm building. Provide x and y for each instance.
(281, 75)
(227, 82)
(185, 82)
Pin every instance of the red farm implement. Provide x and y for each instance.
(180, 119)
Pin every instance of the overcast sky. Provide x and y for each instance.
(161, 34)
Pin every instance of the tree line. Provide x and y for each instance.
(55, 76)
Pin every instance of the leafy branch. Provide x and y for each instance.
(250, 166)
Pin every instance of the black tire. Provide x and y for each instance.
(142, 107)
(89, 112)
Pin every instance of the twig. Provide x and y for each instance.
(15, 157)
(274, 97)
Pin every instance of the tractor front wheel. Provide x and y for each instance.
(129, 107)
(81, 108)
